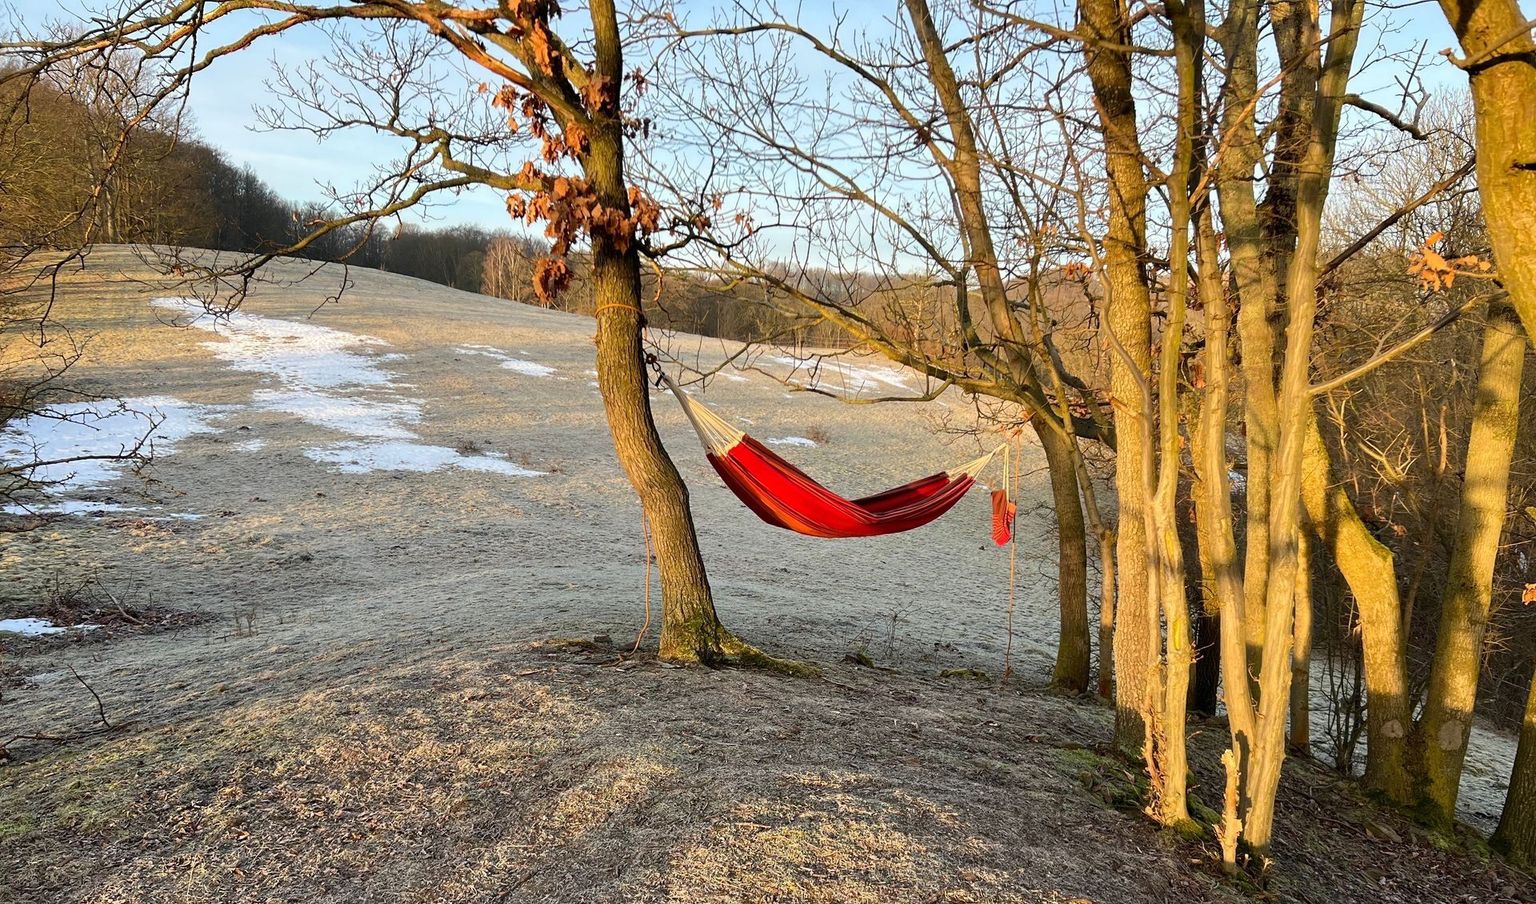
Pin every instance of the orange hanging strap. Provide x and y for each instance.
(1002, 518)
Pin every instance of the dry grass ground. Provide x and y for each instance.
(372, 706)
(538, 772)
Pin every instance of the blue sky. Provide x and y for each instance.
(223, 100)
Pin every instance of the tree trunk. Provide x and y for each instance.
(1515, 837)
(1253, 274)
(1501, 64)
(1369, 571)
(1108, 593)
(1073, 655)
(1441, 738)
(1128, 318)
(690, 630)
(1205, 690)
(1293, 400)
(1199, 583)
(1218, 554)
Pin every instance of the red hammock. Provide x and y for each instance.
(784, 496)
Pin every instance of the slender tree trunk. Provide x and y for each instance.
(1219, 553)
(1238, 589)
(1205, 689)
(1294, 28)
(1293, 399)
(1253, 274)
(1199, 588)
(1515, 837)
(1128, 318)
(1107, 596)
(964, 167)
(690, 630)
(1452, 695)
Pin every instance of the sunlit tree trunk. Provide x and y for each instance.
(1128, 318)
(1500, 61)
(1108, 593)
(1442, 734)
(691, 631)
(1369, 570)
(1293, 399)
(1224, 580)
(1071, 672)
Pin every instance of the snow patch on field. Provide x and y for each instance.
(363, 416)
(38, 627)
(520, 365)
(334, 380)
(66, 507)
(97, 433)
(82, 445)
(298, 354)
(362, 457)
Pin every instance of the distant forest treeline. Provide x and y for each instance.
(168, 188)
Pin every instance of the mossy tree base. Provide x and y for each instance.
(708, 643)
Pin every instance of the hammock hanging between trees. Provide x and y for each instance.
(783, 495)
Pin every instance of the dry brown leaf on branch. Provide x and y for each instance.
(550, 277)
(1435, 272)
(601, 94)
(1076, 270)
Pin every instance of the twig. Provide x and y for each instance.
(1493, 51)
(101, 714)
(1396, 121)
(1461, 172)
(116, 602)
(101, 709)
